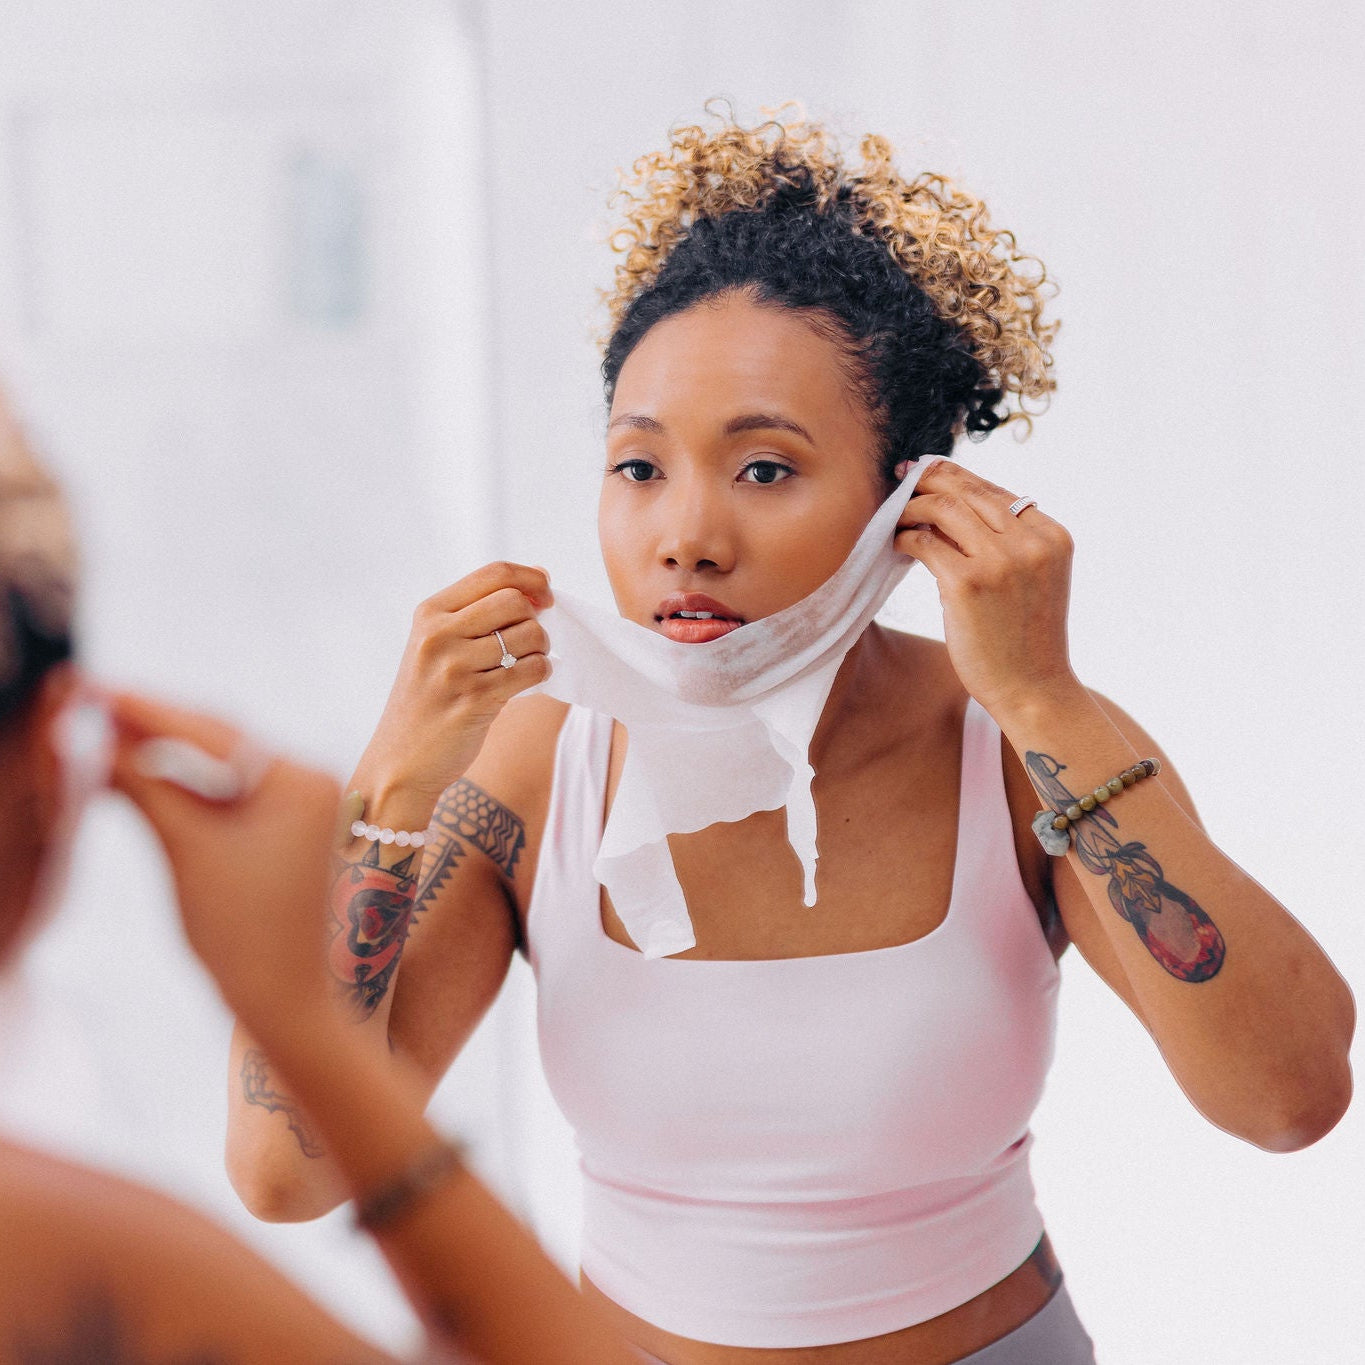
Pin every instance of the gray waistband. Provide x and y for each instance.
(1052, 1336)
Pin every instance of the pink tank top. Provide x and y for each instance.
(802, 1151)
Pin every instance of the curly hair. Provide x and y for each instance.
(938, 314)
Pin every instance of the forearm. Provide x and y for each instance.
(1251, 1016)
(276, 1158)
(469, 1267)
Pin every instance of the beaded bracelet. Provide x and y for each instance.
(1053, 828)
(384, 1206)
(352, 820)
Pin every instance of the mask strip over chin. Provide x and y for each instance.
(719, 730)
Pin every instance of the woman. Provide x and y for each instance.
(805, 1135)
(95, 1269)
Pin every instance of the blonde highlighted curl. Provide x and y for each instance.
(973, 274)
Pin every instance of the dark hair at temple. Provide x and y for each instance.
(30, 650)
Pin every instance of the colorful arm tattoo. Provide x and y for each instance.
(374, 906)
(1177, 933)
(257, 1089)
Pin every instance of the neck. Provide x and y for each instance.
(869, 695)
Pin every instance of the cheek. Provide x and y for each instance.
(808, 552)
(614, 540)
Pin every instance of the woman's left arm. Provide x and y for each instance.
(1252, 1018)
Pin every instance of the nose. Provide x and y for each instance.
(696, 529)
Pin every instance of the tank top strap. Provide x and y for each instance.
(987, 865)
(564, 884)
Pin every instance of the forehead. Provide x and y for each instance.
(731, 354)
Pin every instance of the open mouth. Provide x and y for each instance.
(693, 618)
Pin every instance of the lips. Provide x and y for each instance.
(693, 618)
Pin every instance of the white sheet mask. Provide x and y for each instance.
(719, 730)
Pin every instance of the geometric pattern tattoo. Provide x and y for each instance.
(373, 907)
(469, 811)
(257, 1089)
(1173, 929)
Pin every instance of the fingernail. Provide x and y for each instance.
(901, 468)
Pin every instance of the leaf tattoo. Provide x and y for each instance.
(257, 1089)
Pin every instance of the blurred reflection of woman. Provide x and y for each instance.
(805, 1137)
(94, 1269)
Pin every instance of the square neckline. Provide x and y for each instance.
(856, 954)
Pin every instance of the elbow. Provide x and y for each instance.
(1291, 1127)
(281, 1196)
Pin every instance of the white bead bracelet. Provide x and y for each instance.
(404, 838)
(354, 807)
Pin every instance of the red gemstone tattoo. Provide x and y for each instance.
(1172, 927)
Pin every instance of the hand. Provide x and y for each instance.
(1004, 582)
(251, 874)
(450, 686)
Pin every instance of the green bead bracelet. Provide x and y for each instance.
(1053, 828)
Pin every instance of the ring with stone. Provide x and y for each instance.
(508, 658)
(1021, 505)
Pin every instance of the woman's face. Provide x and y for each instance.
(741, 468)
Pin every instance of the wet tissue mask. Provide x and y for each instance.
(719, 730)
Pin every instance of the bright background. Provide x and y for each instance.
(300, 295)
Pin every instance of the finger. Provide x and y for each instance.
(162, 752)
(952, 517)
(941, 557)
(533, 583)
(137, 717)
(498, 611)
(520, 641)
(988, 500)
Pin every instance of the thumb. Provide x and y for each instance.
(170, 762)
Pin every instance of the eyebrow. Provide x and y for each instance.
(749, 421)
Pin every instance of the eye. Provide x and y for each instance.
(634, 471)
(765, 471)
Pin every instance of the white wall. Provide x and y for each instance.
(1192, 176)
(284, 434)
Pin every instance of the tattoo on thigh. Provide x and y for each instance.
(1172, 927)
(257, 1089)
(93, 1331)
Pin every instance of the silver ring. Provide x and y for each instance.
(1021, 505)
(508, 658)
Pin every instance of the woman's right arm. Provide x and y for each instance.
(257, 865)
(451, 897)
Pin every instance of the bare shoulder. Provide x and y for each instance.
(94, 1267)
